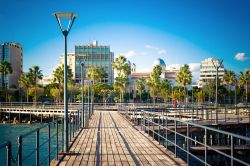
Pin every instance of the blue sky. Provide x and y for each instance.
(178, 31)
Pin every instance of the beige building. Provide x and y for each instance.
(71, 60)
(12, 53)
(169, 72)
(208, 71)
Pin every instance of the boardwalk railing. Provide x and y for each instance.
(42, 140)
(201, 114)
(7, 145)
(169, 132)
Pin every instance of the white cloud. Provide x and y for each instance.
(241, 56)
(130, 53)
(195, 69)
(159, 51)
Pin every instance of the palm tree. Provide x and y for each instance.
(59, 78)
(119, 64)
(5, 69)
(123, 68)
(35, 74)
(184, 77)
(199, 95)
(25, 83)
(154, 81)
(165, 89)
(244, 79)
(95, 74)
(140, 85)
(229, 79)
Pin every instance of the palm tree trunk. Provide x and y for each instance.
(229, 97)
(27, 95)
(246, 92)
(140, 96)
(5, 87)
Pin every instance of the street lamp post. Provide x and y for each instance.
(216, 65)
(65, 32)
(88, 99)
(235, 94)
(82, 76)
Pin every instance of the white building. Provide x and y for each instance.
(46, 80)
(208, 71)
(71, 60)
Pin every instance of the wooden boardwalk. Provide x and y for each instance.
(111, 140)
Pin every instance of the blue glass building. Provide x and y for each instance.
(94, 55)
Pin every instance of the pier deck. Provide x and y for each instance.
(112, 140)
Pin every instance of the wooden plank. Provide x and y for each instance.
(119, 144)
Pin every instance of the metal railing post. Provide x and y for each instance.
(48, 144)
(175, 137)
(57, 140)
(159, 123)
(148, 122)
(167, 131)
(205, 143)
(70, 131)
(62, 134)
(73, 125)
(225, 113)
(8, 148)
(37, 148)
(188, 144)
(20, 144)
(232, 150)
(78, 120)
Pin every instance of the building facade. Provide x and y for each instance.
(168, 72)
(12, 53)
(71, 61)
(94, 55)
(208, 71)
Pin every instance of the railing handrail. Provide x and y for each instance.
(149, 116)
(205, 127)
(39, 128)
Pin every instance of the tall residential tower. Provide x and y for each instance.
(12, 53)
(208, 71)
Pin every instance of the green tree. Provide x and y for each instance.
(5, 69)
(244, 80)
(165, 89)
(123, 68)
(184, 77)
(229, 79)
(95, 74)
(200, 94)
(140, 86)
(25, 84)
(35, 74)
(59, 78)
(55, 93)
(154, 81)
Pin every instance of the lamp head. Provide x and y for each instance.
(65, 16)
